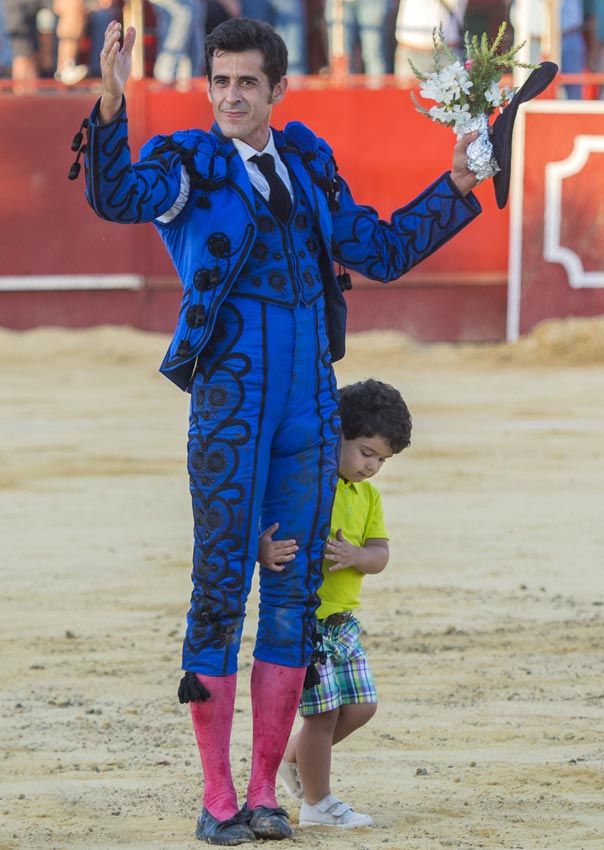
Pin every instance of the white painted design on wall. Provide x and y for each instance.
(555, 174)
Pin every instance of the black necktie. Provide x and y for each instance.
(279, 197)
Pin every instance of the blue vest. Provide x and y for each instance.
(283, 264)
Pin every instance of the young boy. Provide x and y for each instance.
(376, 424)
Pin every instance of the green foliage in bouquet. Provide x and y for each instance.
(471, 88)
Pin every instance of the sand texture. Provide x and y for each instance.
(485, 631)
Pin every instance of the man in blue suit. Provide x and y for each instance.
(253, 220)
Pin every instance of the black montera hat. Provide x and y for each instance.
(503, 127)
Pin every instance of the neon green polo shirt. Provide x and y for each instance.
(357, 510)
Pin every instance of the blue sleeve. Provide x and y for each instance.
(386, 250)
(119, 190)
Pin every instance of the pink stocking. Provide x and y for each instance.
(275, 696)
(212, 721)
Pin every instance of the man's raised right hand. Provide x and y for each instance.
(116, 64)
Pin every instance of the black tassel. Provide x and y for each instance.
(191, 689)
(344, 279)
(75, 167)
(74, 171)
(312, 678)
(76, 142)
(76, 145)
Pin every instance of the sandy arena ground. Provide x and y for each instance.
(485, 632)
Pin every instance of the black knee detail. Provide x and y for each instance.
(312, 678)
(191, 689)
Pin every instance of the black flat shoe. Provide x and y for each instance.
(268, 823)
(230, 832)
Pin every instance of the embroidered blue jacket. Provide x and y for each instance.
(211, 236)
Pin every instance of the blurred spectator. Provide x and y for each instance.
(5, 51)
(180, 28)
(365, 26)
(487, 16)
(71, 17)
(316, 40)
(572, 48)
(594, 20)
(536, 22)
(31, 26)
(23, 35)
(46, 25)
(393, 10)
(220, 11)
(415, 25)
(288, 17)
(99, 14)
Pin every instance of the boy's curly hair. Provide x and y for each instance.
(374, 409)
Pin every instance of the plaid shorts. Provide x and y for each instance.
(345, 677)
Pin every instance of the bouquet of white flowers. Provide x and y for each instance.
(468, 93)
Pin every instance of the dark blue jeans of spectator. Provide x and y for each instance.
(180, 30)
(573, 60)
(98, 21)
(5, 51)
(288, 17)
(364, 20)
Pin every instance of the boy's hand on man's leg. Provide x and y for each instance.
(274, 554)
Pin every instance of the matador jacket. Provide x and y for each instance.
(201, 176)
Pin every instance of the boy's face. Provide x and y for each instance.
(363, 457)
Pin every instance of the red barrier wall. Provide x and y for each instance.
(385, 149)
(558, 181)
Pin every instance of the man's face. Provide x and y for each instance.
(363, 457)
(241, 96)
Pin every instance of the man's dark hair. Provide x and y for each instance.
(373, 409)
(239, 34)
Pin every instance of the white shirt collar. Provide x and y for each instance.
(247, 151)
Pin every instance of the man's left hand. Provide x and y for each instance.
(464, 179)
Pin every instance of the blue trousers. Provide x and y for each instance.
(263, 443)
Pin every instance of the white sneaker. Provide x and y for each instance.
(331, 811)
(289, 775)
(70, 73)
